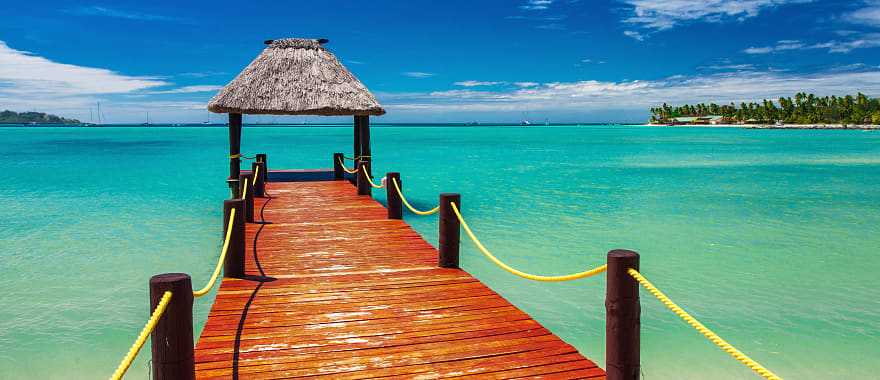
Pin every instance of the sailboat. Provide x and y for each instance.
(525, 120)
(148, 119)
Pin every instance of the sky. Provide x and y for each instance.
(440, 61)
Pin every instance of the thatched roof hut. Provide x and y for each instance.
(295, 76)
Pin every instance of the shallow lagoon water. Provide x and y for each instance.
(768, 236)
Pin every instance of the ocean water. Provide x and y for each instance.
(770, 237)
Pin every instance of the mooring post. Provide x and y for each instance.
(262, 157)
(622, 320)
(337, 165)
(234, 264)
(260, 186)
(234, 187)
(395, 207)
(247, 182)
(363, 187)
(172, 338)
(450, 230)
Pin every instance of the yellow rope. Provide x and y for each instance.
(139, 342)
(737, 354)
(234, 156)
(345, 168)
(409, 206)
(256, 173)
(534, 277)
(210, 284)
(244, 187)
(367, 174)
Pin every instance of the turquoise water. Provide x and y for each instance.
(770, 237)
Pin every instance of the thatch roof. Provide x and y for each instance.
(296, 76)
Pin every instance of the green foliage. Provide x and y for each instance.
(11, 117)
(803, 109)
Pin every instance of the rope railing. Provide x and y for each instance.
(370, 181)
(709, 334)
(256, 175)
(502, 265)
(163, 303)
(342, 164)
(409, 206)
(356, 157)
(142, 337)
(219, 267)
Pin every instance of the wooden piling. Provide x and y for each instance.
(234, 145)
(234, 264)
(262, 157)
(395, 206)
(363, 187)
(366, 155)
(172, 338)
(246, 182)
(337, 166)
(260, 186)
(450, 231)
(234, 186)
(357, 145)
(622, 319)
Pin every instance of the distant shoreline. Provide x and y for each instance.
(773, 126)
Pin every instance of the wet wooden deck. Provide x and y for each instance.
(338, 290)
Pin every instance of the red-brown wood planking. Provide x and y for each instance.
(337, 290)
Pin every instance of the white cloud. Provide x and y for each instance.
(418, 74)
(189, 89)
(665, 14)
(730, 66)
(633, 34)
(202, 74)
(525, 84)
(536, 5)
(474, 83)
(591, 95)
(24, 73)
(869, 15)
(94, 10)
(859, 41)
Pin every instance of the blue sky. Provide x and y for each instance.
(429, 61)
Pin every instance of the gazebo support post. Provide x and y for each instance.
(365, 142)
(357, 147)
(234, 146)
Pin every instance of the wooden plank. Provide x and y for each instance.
(335, 289)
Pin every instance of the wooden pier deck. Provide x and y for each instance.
(336, 289)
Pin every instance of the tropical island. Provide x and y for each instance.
(12, 117)
(804, 110)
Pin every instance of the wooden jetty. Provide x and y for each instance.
(320, 280)
(334, 288)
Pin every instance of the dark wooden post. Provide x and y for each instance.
(363, 187)
(395, 207)
(337, 165)
(357, 145)
(450, 231)
(235, 186)
(622, 320)
(260, 186)
(262, 157)
(234, 265)
(365, 143)
(172, 338)
(234, 145)
(246, 182)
